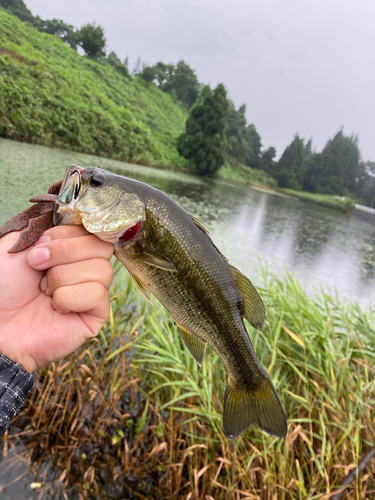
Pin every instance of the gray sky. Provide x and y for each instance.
(300, 66)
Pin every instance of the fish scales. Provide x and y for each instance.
(204, 283)
(169, 254)
(203, 288)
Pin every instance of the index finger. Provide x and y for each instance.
(68, 251)
(62, 233)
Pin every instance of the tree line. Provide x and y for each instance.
(338, 169)
(216, 131)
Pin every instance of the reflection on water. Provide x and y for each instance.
(323, 247)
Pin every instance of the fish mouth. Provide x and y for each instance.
(64, 212)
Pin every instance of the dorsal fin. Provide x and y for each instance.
(194, 345)
(199, 224)
(140, 287)
(254, 310)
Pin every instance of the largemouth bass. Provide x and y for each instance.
(169, 253)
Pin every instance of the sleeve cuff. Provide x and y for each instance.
(15, 385)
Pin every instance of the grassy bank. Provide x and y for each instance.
(233, 171)
(342, 203)
(132, 415)
(51, 95)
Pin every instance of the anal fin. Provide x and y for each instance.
(194, 345)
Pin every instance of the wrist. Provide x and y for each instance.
(26, 362)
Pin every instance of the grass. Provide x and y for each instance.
(237, 172)
(131, 415)
(50, 95)
(342, 203)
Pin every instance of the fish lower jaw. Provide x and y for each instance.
(67, 216)
(118, 237)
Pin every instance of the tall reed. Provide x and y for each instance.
(131, 415)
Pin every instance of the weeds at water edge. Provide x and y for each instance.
(131, 415)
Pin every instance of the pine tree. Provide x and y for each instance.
(290, 169)
(334, 170)
(204, 143)
(365, 183)
(243, 141)
(267, 162)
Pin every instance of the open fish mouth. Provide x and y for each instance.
(64, 212)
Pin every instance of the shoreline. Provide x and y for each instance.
(342, 204)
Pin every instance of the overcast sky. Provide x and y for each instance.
(300, 66)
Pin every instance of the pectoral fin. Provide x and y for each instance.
(254, 310)
(194, 345)
(155, 259)
(140, 287)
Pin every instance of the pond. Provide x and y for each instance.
(322, 247)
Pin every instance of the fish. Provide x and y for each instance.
(169, 254)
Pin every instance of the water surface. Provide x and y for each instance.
(323, 247)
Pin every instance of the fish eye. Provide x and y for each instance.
(97, 180)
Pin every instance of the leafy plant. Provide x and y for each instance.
(204, 140)
(51, 95)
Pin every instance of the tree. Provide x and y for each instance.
(163, 74)
(179, 80)
(253, 138)
(365, 183)
(334, 170)
(185, 84)
(311, 166)
(138, 66)
(267, 162)
(290, 169)
(91, 38)
(18, 8)
(52, 26)
(113, 58)
(243, 141)
(307, 150)
(58, 28)
(148, 73)
(236, 126)
(115, 61)
(204, 143)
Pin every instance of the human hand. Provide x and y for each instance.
(49, 309)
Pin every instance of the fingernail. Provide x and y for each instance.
(45, 238)
(38, 256)
(43, 284)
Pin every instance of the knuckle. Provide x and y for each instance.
(106, 248)
(65, 250)
(61, 297)
(100, 292)
(109, 271)
(54, 275)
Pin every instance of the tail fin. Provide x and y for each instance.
(260, 406)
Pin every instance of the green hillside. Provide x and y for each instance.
(51, 95)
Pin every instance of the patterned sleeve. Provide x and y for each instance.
(15, 385)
